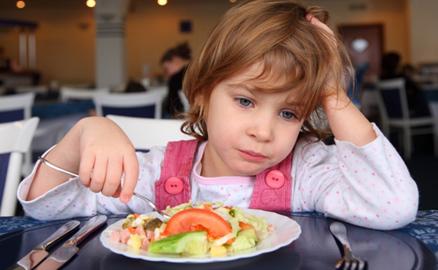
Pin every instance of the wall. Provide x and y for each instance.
(66, 43)
(64, 39)
(390, 13)
(151, 30)
(424, 33)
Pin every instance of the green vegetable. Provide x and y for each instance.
(260, 224)
(189, 243)
(245, 239)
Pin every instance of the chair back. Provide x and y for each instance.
(15, 139)
(355, 89)
(184, 100)
(145, 105)
(16, 107)
(145, 133)
(392, 100)
(77, 94)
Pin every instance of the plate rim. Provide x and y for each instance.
(105, 240)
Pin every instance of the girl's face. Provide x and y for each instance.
(248, 130)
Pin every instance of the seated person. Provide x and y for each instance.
(174, 63)
(390, 69)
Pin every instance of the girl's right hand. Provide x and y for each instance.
(106, 156)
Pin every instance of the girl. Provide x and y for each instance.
(266, 67)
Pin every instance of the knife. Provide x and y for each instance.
(39, 253)
(65, 252)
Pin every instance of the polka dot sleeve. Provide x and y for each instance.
(72, 199)
(368, 186)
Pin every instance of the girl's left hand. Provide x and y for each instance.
(332, 93)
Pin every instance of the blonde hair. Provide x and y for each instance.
(277, 34)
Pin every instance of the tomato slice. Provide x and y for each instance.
(195, 219)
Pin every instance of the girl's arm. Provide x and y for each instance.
(346, 121)
(99, 151)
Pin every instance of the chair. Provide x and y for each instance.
(15, 139)
(184, 100)
(147, 105)
(145, 133)
(355, 89)
(72, 94)
(15, 108)
(433, 107)
(394, 112)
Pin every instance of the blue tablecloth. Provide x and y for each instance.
(424, 228)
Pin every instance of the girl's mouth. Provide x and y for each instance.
(252, 156)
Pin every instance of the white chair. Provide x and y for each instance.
(15, 108)
(184, 100)
(15, 139)
(394, 112)
(70, 93)
(147, 105)
(145, 133)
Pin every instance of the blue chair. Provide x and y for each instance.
(15, 139)
(394, 113)
(144, 105)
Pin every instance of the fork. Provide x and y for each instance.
(153, 206)
(162, 214)
(348, 260)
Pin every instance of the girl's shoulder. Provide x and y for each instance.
(308, 149)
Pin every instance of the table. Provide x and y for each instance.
(314, 249)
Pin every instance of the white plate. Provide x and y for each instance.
(285, 231)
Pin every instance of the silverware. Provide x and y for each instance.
(39, 253)
(141, 197)
(153, 206)
(65, 252)
(348, 260)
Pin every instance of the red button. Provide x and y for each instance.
(173, 185)
(275, 179)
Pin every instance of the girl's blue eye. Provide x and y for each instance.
(288, 115)
(244, 102)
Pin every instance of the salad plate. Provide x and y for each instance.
(285, 231)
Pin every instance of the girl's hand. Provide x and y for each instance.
(333, 96)
(106, 154)
(346, 121)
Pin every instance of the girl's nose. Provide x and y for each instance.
(262, 129)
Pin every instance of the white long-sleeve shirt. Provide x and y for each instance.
(368, 186)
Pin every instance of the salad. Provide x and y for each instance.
(194, 230)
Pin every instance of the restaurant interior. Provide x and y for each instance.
(66, 52)
(62, 61)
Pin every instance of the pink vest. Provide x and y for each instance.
(272, 189)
